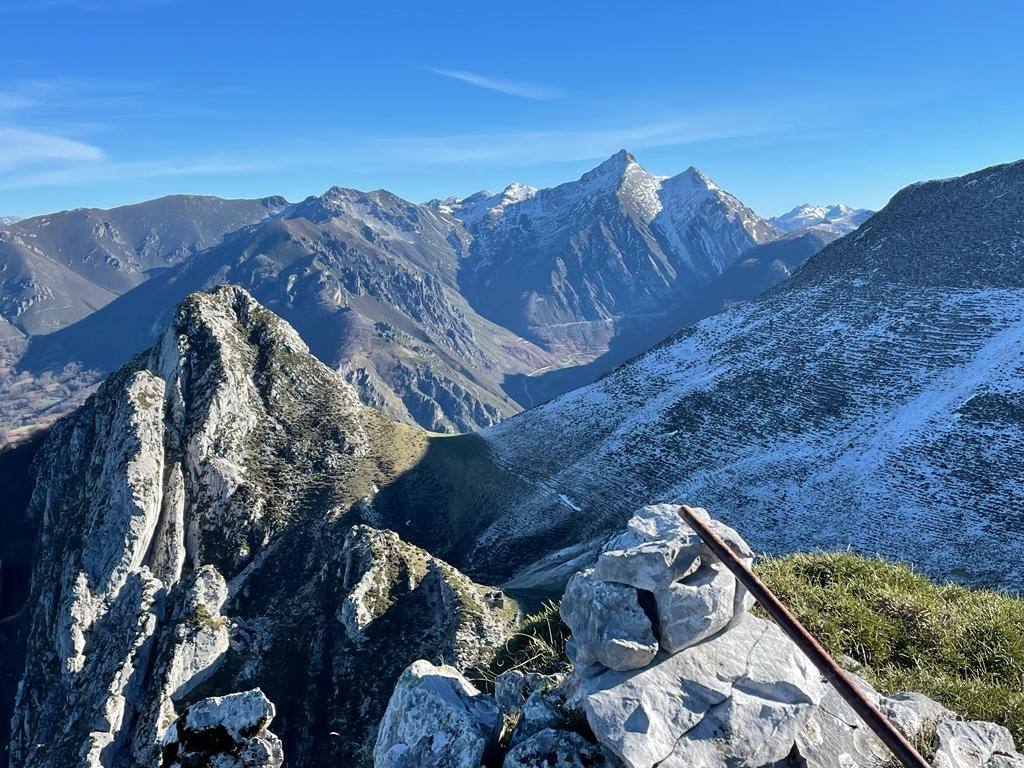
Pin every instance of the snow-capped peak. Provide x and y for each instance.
(838, 217)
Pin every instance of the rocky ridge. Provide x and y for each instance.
(202, 531)
(60, 267)
(449, 315)
(670, 669)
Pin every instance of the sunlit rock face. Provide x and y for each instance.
(736, 692)
(196, 539)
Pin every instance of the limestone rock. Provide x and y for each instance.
(436, 718)
(607, 623)
(960, 744)
(835, 736)
(564, 749)
(697, 607)
(912, 713)
(225, 732)
(649, 565)
(513, 688)
(742, 696)
(380, 569)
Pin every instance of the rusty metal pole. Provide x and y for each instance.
(902, 749)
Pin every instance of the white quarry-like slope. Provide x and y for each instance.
(874, 399)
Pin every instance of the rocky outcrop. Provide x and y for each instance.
(224, 732)
(722, 686)
(196, 539)
(380, 570)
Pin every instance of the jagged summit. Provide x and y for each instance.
(193, 510)
(559, 264)
(613, 166)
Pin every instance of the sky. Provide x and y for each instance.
(107, 102)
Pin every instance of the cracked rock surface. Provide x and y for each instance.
(199, 536)
(734, 692)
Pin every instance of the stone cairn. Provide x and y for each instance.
(669, 669)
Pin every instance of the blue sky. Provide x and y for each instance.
(104, 102)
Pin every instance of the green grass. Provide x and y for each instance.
(537, 646)
(962, 647)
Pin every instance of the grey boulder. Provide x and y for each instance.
(563, 749)
(608, 625)
(225, 732)
(738, 699)
(436, 717)
(976, 744)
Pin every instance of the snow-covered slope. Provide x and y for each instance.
(839, 219)
(5, 220)
(569, 266)
(873, 399)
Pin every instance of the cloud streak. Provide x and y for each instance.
(83, 164)
(21, 147)
(523, 90)
(539, 147)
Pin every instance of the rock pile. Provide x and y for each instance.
(670, 669)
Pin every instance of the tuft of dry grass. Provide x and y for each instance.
(537, 646)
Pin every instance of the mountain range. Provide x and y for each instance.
(61, 267)
(452, 315)
(224, 513)
(839, 219)
(873, 399)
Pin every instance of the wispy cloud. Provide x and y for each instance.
(381, 156)
(538, 147)
(117, 171)
(20, 147)
(510, 87)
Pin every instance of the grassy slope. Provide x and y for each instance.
(962, 647)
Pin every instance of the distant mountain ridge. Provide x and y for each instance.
(452, 314)
(563, 266)
(60, 267)
(839, 218)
